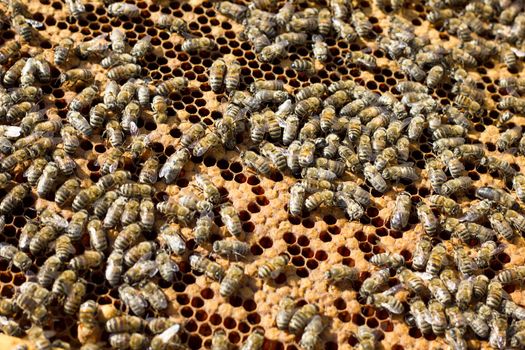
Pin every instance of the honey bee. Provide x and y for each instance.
(477, 211)
(210, 268)
(9, 50)
(154, 295)
(421, 316)
(305, 66)
(17, 258)
(174, 165)
(35, 170)
(220, 340)
(141, 47)
(14, 197)
(114, 268)
(203, 226)
(512, 103)
(296, 202)
(274, 51)
(97, 235)
(127, 237)
(84, 99)
(232, 280)
(496, 195)
(121, 9)
(518, 184)
(386, 301)
(64, 162)
(87, 314)
(232, 76)
(64, 248)
(173, 24)
(111, 163)
(141, 270)
(74, 298)
(317, 199)
(341, 273)
(80, 123)
(363, 59)
(101, 205)
(88, 260)
(390, 260)
(167, 268)
(374, 177)
(170, 237)
(271, 268)
(70, 139)
(78, 222)
(319, 47)
(14, 72)
(114, 213)
(312, 332)
(459, 184)
(133, 299)
(124, 72)
(146, 214)
(175, 211)
(256, 162)
(209, 141)
(24, 27)
(496, 164)
(515, 219)
(17, 112)
(267, 85)
(194, 45)
(498, 332)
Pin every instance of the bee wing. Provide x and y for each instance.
(133, 129)
(517, 52)
(34, 24)
(169, 333)
(393, 290)
(11, 131)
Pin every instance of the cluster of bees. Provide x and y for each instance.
(337, 140)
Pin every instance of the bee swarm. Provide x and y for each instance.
(262, 174)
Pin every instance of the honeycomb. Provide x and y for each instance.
(315, 240)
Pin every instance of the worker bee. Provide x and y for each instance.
(170, 238)
(342, 273)
(501, 226)
(496, 195)
(317, 199)
(220, 340)
(14, 198)
(439, 291)
(436, 175)
(173, 24)
(167, 267)
(140, 271)
(70, 139)
(24, 27)
(297, 196)
(117, 59)
(64, 248)
(210, 268)
(477, 324)
(412, 69)
(114, 267)
(127, 237)
(513, 103)
(373, 176)
(501, 166)
(62, 51)
(363, 59)
(312, 332)
(236, 248)
(84, 98)
(217, 73)
(256, 162)
(437, 319)
(515, 219)
(74, 298)
(77, 224)
(79, 122)
(64, 162)
(48, 179)
(141, 47)
(17, 258)
(198, 44)
(209, 141)
(121, 9)
(421, 253)
(460, 184)
(518, 184)
(174, 165)
(305, 66)
(401, 212)
(274, 51)
(498, 332)
(421, 316)
(133, 299)
(154, 295)
(390, 260)
(9, 50)
(130, 117)
(124, 72)
(125, 324)
(114, 212)
(88, 260)
(387, 302)
(232, 280)
(112, 160)
(175, 211)
(232, 76)
(319, 47)
(14, 72)
(97, 235)
(35, 170)
(374, 282)
(101, 206)
(271, 268)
